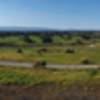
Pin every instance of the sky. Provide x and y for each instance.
(56, 14)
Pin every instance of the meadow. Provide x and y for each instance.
(45, 84)
(24, 83)
(53, 54)
(73, 48)
(39, 77)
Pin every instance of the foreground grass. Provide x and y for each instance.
(33, 77)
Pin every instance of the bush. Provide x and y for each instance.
(19, 51)
(47, 39)
(93, 72)
(79, 42)
(72, 43)
(40, 64)
(43, 63)
(43, 50)
(86, 61)
(27, 39)
(70, 50)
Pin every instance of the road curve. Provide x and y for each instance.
(50, 66)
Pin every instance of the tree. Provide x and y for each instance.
(47, 39)
(27, 39)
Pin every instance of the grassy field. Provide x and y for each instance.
(54, 54)
(40, 84)
(55, 50)
(29, 77)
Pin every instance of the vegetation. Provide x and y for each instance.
(29, 77)
(40, 64)
(57, 47)
(50, 47)
(70, 50)
(60, 37)
(53, 54)
(87, 61)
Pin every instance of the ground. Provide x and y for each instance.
(44, 84)
(49, 92)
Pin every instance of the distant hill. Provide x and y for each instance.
(39, 29)
(23, 29)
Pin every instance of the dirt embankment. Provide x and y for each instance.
(50, 92)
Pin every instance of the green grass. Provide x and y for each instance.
(29, 77)
(18, 40)
(58, 39)
(36, 39)
(55, 54)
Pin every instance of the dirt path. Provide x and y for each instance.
(50, 66)
(50, 92)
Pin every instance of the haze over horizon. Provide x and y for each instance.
(54, 14)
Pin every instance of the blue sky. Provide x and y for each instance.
(61, 14)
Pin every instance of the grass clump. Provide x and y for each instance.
(93, 72)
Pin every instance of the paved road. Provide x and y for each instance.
(50, 66)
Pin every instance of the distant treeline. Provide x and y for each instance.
(30, 38)
(3, 33)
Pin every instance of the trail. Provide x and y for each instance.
(49, 66)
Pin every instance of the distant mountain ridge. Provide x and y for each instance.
(39, 29)
(25, 29)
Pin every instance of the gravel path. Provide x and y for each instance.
(50, 66)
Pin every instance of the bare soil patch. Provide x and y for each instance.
(49, 92)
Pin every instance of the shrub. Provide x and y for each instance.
(47, 39)
(40, 64)
(86, 61)
(19, 51)
(79, 42)
(93, 72)
(72, 43)
(27, 39)
(43, 63)
(70, 50)
(43, 50)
